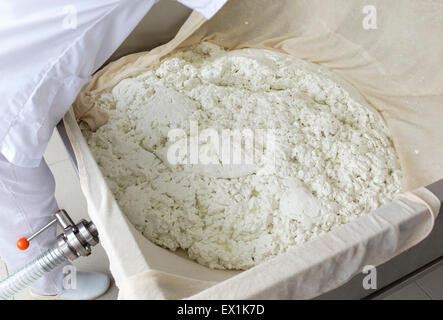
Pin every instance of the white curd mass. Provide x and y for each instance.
(329, 160)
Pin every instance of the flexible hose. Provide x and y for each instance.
(31, 272)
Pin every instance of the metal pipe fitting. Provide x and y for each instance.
(75, 241)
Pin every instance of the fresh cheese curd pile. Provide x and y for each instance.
(332, 159)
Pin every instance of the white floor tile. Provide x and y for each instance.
(410, 291)
(55, 151)
(432, 282)
(67, 190)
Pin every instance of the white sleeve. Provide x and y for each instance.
(48, 51)
(206, 7)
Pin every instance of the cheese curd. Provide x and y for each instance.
(332, 158)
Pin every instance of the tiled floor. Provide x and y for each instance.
(426, 285)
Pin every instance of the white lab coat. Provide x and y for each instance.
(48, 51)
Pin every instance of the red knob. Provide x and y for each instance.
(22, 244)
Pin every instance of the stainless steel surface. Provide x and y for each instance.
(437, 189)
(77, 240)
(61, 217)
(41, 230)
(64, 219)
(88, 232)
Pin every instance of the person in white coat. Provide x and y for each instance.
(48, 51)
